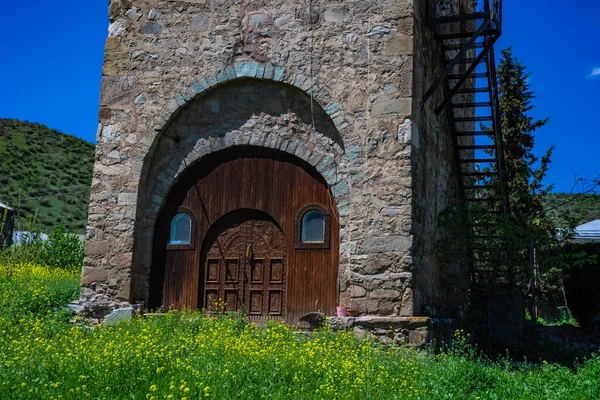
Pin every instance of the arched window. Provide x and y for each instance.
(181, 236)
(313, 226)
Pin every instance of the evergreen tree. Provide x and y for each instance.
(524, 230)
(523, 180)
(529, 230)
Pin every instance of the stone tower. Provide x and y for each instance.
(329, 89)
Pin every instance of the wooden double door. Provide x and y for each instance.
(243, 262)
(247, 205)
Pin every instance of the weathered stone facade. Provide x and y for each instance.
(337, 84)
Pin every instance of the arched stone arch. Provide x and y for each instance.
(241, 110)
(252, 70)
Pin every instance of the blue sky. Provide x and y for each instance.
(51, 61)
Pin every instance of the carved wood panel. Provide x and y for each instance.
(244, 266)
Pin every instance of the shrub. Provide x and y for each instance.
(582, 281)
(63, 250)
(29, 250)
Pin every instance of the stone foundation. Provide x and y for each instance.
(416, 331)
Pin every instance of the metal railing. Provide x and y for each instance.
(449, 11)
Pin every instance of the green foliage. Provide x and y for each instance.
(532, 256)
(31, 249)
(63, 250)
(187, 355)
(582, 280)
(571, 210)
(526, 225)
(45, 170)
(28, 291)
(521, 231)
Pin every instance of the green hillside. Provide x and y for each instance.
(571, 210)
(45, 171)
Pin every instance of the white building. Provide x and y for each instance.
(588, 232)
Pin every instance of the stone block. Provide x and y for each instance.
(123, 259)
(151, 28)
(124, 291)
(378, 32)
(74, 308)
(134, 14)
(357, 291)
(116, 90)
(230, 72)
(399, 45)
(384, 294)
(155, 15)
(113, 43)
(96, 247)
(283, 19)
(199, 23)
(118, 315)
(418, 337)
(116, 29)
(278, 73)
(340, 323)
(405, 133)
(269, 71)
(246, 69)
(180, 99)
(386, 105)
(335, 14)
(92, 275)
(407, 307)
(383, 244)
(257, 20)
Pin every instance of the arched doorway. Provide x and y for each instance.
(254, 211)
(243, 262)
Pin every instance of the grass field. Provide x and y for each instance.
(192, 355)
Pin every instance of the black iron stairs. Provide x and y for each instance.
(466, 31)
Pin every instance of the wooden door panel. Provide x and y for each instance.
(276, 270)
(257, 267)
(275, 301)
(211, 299)
(244, 264)
(232, 271)
(256, 306)
(232, 297)
(212, 270)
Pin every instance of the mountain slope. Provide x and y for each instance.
(46, 172)
(571, 210)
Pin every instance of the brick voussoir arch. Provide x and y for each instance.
(250, 69)
(324, 152)
(330, 166)
(327, 164)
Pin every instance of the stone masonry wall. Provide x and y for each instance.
(354, 58)
(440, 276)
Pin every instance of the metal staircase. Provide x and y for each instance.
(466, 31)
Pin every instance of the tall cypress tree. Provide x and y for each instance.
(526, 228)
(523, 179)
